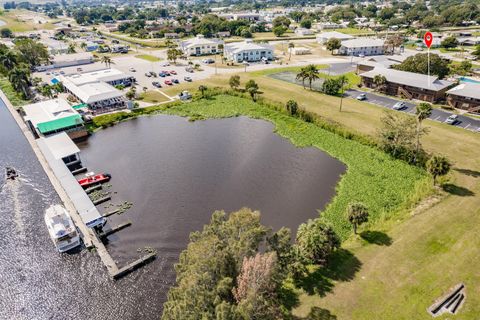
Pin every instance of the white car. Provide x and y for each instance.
(362, 96)
(164, 64)
(452, 119)
(132, 69)
(399, 105)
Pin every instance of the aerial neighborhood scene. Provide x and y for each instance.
(240, 159)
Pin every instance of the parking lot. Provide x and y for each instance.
(437, 114)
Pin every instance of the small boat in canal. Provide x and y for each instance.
(93, 179)
(11, 173)
(61, 228)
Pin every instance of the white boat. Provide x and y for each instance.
(61, 228)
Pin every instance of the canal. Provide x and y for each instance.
(176, 173)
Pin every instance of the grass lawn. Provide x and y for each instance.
(445, 50)
(15, 98)
(420, 257)
(153, 96)
(16, 23)
(148, 57)
(354, 31)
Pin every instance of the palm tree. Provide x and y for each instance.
(71, 48)
(291, 45)
(202, 89)
(169, 43)
(312, 74)
(343, 80)
(20, 79)
(438, 166)
(107, 60)
(357, 213)
(220, 48)
(83, 45)
(8, 60)
(301, 76)
(422, 111)
(379, 81)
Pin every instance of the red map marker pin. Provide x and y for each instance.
(428, 38)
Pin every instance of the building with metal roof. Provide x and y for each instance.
(49, 117)
(362, 46)
(248, 51)
(465, 96)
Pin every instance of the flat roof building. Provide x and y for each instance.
(325, 36)
(465, 96)
(53, 116)
(362, 46)
(200, 46)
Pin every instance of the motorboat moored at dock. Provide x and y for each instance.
(10, 173)
(61, 228)
(93, 179)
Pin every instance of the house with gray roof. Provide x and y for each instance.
(465, 96)
(362, 46)
(200, 46)
(409, 85)
(248, 51)
(325, 36)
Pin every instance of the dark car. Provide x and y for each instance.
(175, 81)
(188, 79)
(156, 84)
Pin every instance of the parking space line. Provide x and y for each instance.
(437, 118)
(468, 125)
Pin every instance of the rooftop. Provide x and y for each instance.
(363, 42)
(51, 115)
(469, 90)
(61, 145)
(199, 40)
(72, 57)
(409, 78)
(98, 75)
(335, 34)
(246, 45)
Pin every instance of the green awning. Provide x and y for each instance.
(49, 126)
(79, 106)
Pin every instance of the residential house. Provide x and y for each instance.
(408, 84)
(248, 51)
(325, 36)
(371, 63)
(200, 46)
(302, 32)
(362, 47)
(50, 117)
(171, 35)
(465, 96)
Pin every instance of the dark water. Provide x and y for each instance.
(176, 173)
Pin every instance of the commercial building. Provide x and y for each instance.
(362, 46)
(96, 89)
(465, 96)
(200, 46)
(53, 116)
(74, 59)
(248, 51)
(325, 36)
(408, 84)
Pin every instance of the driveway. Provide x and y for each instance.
(437, 114)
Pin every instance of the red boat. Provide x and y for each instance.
(92, 179)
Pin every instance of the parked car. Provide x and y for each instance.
(175, 81)
(400, 105)
(115, 41)
(168, 82)
(188, 79)
(156, 84)
(78, 70)
(162, 74)
(167, 73)
(154, 74)
(452, 119)
(362, 96)
(148, 74)
(132, 69)
(189, 69)
(208, 61)
(164, 64)
(173, 72)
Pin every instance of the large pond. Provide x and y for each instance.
(176, 173)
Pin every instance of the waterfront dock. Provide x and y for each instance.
(74, 198)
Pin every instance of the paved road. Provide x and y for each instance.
(437, 114)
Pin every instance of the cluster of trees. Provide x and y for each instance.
(235, 268)
(17, 63)
(210, 24)
(101, 14)
(419, 64)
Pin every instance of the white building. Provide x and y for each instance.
(362, 46)
(96, 89)
(302, 32)
(325, 36)
(200, 46)
(248, 51)
(74, 59)
(250, 16)
(297, 51)
(53, 116)
(328, 26)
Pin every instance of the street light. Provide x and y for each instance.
(245, 64)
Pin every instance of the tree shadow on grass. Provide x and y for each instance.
(343, 266)
(376, 237)
(457, 190)
(469, 172)
(317, 313)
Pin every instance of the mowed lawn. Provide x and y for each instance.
(423, 255)
(148, 57)
(153, 96)
(16, 23)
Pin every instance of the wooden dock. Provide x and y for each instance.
(134, 265)
(115, 229)
(101, 200)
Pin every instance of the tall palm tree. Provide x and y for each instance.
(422, 112)
(301, 76)
(71, 48)
(8, 60)
(343, 80)
(220, 48)
(20, 80)
(83, 45)
(291, 45)
(312, 74)
(379, 81)
(107, 60)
